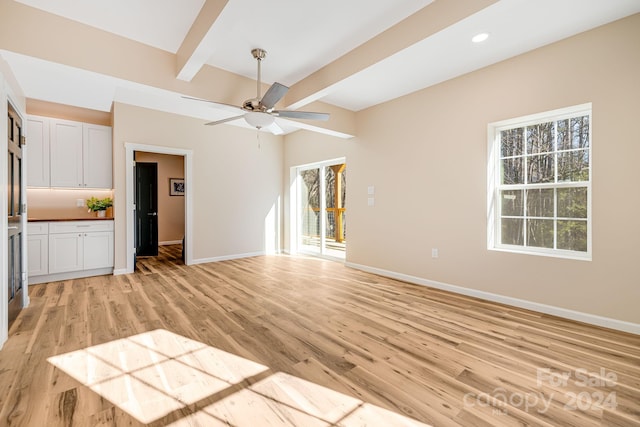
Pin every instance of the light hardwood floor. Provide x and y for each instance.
(279, 340)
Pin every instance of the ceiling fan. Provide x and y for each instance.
(259, 112)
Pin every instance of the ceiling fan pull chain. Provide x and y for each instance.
(258, 137)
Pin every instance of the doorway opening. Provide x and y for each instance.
(146, 209)
(321, 190)
(159, 210)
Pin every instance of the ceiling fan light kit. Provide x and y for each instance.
(259, 120)
(260, 112)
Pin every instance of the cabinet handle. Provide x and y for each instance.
(80, 235)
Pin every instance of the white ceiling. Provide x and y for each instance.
(302, 37)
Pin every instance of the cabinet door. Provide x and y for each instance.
(98, 250)
(65, 252)
(38, 254)
(37, 152)
(97, 153)
(66, 153)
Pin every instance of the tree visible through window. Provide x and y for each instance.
(540, 184)
(321, 195)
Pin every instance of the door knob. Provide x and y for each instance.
(152, 213)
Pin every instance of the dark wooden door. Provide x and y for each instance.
(15, 204)
(146, 209)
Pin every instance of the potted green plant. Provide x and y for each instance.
(99, 205)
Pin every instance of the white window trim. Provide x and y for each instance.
(493, 177)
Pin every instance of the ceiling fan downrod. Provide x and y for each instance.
(259, 54)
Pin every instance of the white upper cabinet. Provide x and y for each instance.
(38, 152)
(97, 156)
(68, 154)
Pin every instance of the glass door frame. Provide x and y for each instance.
(295, 194)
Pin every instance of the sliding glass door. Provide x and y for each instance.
(321, 209)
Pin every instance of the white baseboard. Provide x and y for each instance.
(35, 280)
(226, 257)
(204, 260)
(170, 242)
(592, 319)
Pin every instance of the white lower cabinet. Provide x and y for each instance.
(97, 250)
(38, 248)
(73, 249)
(65, 252)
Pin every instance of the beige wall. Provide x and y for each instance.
(170, 208)
(426, 155)
(236, 181)
(60, 203)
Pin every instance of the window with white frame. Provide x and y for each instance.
(540, 184)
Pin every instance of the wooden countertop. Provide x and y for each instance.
(69, 219)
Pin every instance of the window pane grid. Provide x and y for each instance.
(555, 219)
(544, 184)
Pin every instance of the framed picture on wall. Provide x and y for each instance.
(176, 186)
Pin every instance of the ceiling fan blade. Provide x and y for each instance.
(219, 104)
(230, 119)
(307, 115)
(275, 129)
(273, 95)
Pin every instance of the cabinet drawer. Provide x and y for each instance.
(79, 226)
(34, 228)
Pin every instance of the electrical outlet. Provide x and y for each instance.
(434, 253)
(80, 203)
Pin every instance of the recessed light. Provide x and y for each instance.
(479, 38)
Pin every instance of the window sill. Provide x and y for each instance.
(576, 256)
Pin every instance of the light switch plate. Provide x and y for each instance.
(370, 201)
(80, 203)
(371, 189)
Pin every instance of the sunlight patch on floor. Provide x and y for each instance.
(155, 373)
